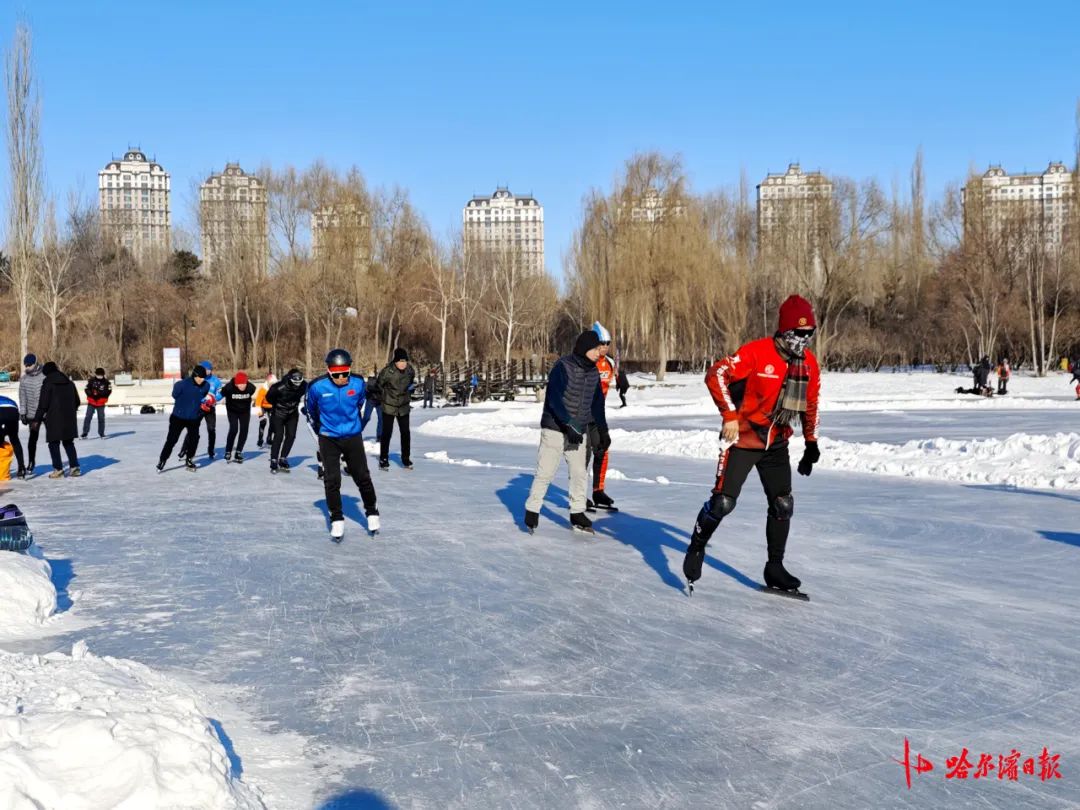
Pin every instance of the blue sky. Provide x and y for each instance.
(448, 99)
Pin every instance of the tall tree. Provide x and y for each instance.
(25, 174)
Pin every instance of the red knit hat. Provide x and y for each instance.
(796, 313)
(240, 377)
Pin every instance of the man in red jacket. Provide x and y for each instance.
(762, 391)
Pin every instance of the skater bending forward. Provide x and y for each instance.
(573, 403)
(762, 390)
(334, 404)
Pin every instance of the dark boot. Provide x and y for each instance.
(580, 523)
(776, 576)
(532, 520)
(695, 556)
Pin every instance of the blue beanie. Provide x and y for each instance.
(207, 365)
(30, 360)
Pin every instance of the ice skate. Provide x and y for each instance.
(373, 524)
(56, 474)
(779, 581)
(580, 523)
(75, 472)
(532, 520)
(337, 530)
(601, 500)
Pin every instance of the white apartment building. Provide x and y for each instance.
(503, 223)
(792, 205)
(1046, 198)
(133, 197)
(233, 220)
(340, 228)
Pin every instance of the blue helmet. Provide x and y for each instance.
(207, 365)
(601, 332)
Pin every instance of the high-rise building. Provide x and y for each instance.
(1043, 202)
(505, 224)
(792, 209)
(341, 229)
(133, 197)
(233, 220)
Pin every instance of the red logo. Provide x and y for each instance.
(769, 369)
(351, 392)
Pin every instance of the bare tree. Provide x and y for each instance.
(55, 281)
(25, 171)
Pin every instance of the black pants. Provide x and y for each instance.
(176, 427)
(429, 400)
(31, 444)
(90, 410)
(210, 417)
(266, 422)
(1003, 383)
(622, 396)
(284, 430)
(388, 434)
(351, 448)
(237, 422)
(69, 448)
(774, 470)
(9, 431)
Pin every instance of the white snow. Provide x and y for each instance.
(80, 732)
(29, 597)
(196, 640)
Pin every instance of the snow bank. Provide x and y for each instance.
(81, 731)
(28, 593)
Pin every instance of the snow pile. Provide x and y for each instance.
(81, 731)
(1021, 460)
(443, 457)
(28, 593)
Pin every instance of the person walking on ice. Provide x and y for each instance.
(237, 394)
(762, 391)
(573, 403)
(334, 403)
(189, 405)
(600, 438)
(98, 390)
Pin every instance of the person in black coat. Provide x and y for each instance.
(98, 390)
(429, 389)
(58, 408)
(238, 395)
(622, 385)
(286, 397)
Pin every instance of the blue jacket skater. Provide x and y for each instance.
(334, 410)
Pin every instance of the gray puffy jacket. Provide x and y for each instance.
(30, 391)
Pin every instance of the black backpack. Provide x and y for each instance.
(15, 535)
(147, 409)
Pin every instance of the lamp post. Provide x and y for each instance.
(187, 325)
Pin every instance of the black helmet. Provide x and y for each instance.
(338, 358)
(295, 377)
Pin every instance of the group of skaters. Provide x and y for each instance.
(762, 391)
(48, 397)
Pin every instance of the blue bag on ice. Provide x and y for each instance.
(15, 535)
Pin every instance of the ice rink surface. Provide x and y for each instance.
(455, 661)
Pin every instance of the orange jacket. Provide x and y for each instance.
(260, 398)
(607, 374)
(756, 372)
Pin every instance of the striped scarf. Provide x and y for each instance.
(791, 404)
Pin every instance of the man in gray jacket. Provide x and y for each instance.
(29, 396)
(573, 401)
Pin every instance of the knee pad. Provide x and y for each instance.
(782, 507)
(712, 512)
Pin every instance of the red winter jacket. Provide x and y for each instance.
(746, 386)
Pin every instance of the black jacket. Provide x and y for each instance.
(286, 398)
(573, 395)
(429, 385)
(394, 388)
(237, 401)
(622, 385)
(97, 391)
(59, 407)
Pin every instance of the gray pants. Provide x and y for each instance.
(553, 447)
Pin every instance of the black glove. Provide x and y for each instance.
(26, 420)
(811, 455)
(573, 433)
(605, 439)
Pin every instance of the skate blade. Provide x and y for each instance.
(794, 594)
(581, 530)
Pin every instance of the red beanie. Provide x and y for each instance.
(240, 377)
(796, 313)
